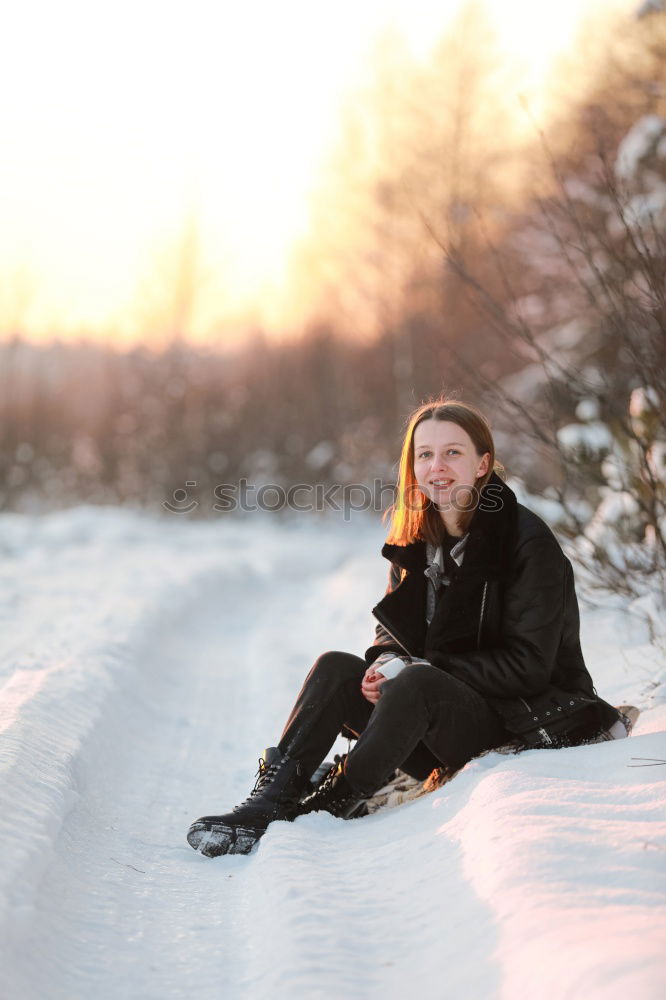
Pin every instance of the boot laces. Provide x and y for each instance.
(326, 788)
(264, 775)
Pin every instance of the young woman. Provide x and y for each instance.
(477, 644)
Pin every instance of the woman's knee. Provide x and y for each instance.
(335, 664)
(422, 680)
(431, 685)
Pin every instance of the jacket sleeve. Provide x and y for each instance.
(532, 620)
(383, 641)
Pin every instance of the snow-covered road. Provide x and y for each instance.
(144, 670)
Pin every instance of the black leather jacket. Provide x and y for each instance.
(507, 625)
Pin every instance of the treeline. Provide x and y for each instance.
(86, 423)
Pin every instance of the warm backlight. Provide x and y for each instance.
(157, 158)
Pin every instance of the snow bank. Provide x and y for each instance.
(561, 846)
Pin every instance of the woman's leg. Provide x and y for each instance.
(329, 699)
(422, 704)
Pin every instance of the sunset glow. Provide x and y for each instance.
(143, 138)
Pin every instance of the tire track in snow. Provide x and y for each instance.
(127, 908)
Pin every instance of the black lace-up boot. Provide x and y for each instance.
(279, 785)
(335, 795)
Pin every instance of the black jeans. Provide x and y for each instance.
(424, 719)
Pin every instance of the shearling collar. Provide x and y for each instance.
(490, 540)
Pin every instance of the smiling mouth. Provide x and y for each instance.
(442, 485)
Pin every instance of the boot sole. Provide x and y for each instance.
(215, 839)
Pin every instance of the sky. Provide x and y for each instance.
(144, 141)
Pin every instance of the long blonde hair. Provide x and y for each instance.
(413, 515)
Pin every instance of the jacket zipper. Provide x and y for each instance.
(478, 637)
(393, 636)
(483, 605)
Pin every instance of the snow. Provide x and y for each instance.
(144, 665)
(565, 338)
(639, 166)
(526, 384)
(638, 144)
(588, 409)
(644, 213)
(548, 506)
(559, 346)
(320, 455)
(649, 7)
(616, 470)
(593, 438)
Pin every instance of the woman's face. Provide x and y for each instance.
(446, 463)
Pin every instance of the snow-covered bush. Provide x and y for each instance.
(594, 388)
(585, 440)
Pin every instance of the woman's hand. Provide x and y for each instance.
(371, 684)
